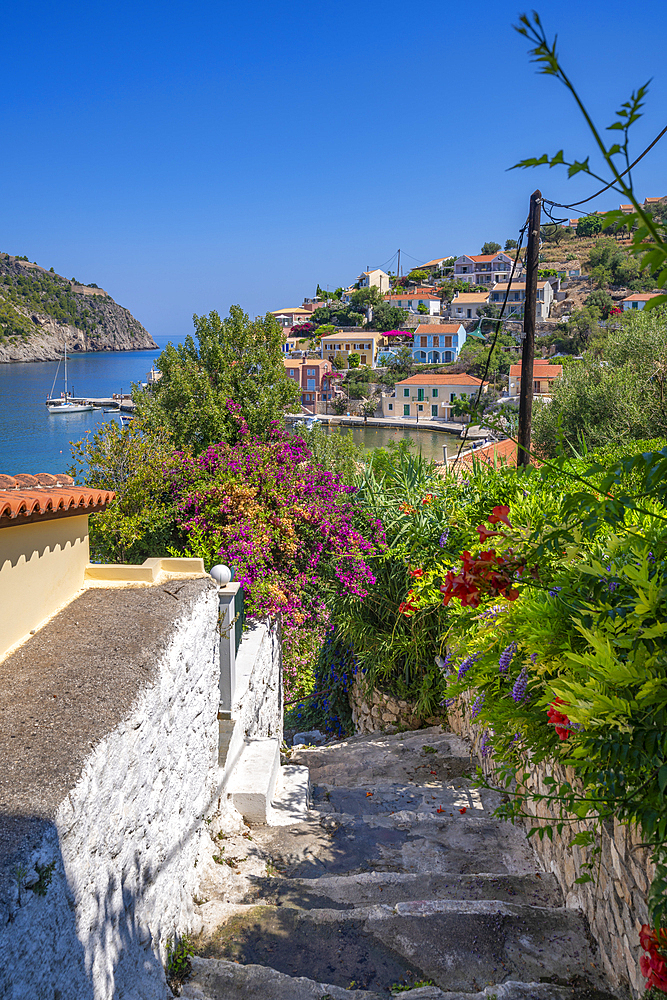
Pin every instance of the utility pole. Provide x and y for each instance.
(528, 352)
(398, 266)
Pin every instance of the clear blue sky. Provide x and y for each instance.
(190, 156)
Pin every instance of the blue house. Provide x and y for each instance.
(439, 343)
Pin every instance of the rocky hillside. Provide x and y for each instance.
(40, 310)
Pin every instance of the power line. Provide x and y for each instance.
(574, 204)
(498, 322)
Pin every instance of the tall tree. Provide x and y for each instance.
(490, 247)
(225, 382)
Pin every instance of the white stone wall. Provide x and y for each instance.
(125, 841)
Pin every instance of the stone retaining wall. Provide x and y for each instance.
(615, 901)
(377, 711)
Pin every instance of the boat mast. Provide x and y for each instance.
(65, 369)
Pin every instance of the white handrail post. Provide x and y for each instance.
(226, 626)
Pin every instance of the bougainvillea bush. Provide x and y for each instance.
(290, 529)
(289, 526)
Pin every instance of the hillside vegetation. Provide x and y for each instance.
(39, 308)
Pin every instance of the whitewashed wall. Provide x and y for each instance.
(125, 840)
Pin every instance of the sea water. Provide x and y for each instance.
(31, 439)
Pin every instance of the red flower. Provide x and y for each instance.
(427, 498)
(416, 572)
(559, 720)
(485, 533)
(499, 514)
(648, 938)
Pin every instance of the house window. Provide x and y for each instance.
(347, 347)
(406, 391)
(420, 394)
(635, 305)
(363, 359)
(423, 341)
(448, 341)
(434, 410)
(391, 406)
(452, 397)
(310, 383)
(469, 314)
(312, 371)
(406, 409)
(434, 393)
(420, 407)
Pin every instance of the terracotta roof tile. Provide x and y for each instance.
(500, 452)
(541, 368)
(437, 378)
(438, 328)
(27, 496)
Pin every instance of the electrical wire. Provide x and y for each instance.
(498, 322)
(574, 204)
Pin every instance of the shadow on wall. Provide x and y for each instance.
(59, 943)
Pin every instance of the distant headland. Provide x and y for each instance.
(40, 310)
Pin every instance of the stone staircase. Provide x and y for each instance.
(398, 880)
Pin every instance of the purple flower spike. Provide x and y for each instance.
(477, 706)
(506, 658)
(467, 664)
(520, 685)
(443, 538)
(485, 746)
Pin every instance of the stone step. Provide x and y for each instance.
(445, 842)
(212, 979)
(349, 891)
(292, 796)
(253, 781)
(459, 945)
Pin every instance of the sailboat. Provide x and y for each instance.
(66, 403)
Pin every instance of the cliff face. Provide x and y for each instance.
(40, 310)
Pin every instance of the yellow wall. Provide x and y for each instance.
(42, 567)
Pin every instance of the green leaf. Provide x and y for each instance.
(662, 778)
(578, 166)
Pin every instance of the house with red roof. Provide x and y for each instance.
(429, 396)
(437, 343)
(412, 300)
(544, 375)
(485, 269)
(637, 300)
(313, 375)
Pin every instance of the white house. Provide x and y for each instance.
(429, 396)
(436, 266)
(637, 300)
(435, 343)
(485, 269)
(412, 300)
(292, 315)
(374, 279)
(466, 305)
(517, 297)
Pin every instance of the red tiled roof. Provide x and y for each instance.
(438, 328)
(436, 378)
(500, 452)
(640, 296)
(414, 295)
(541, 368)
(484, 257)
(26, 497)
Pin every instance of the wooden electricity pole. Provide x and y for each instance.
(529, 312)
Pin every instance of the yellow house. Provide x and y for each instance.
(360, 342)
(44, 552)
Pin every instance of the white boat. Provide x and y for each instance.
(66, 402)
